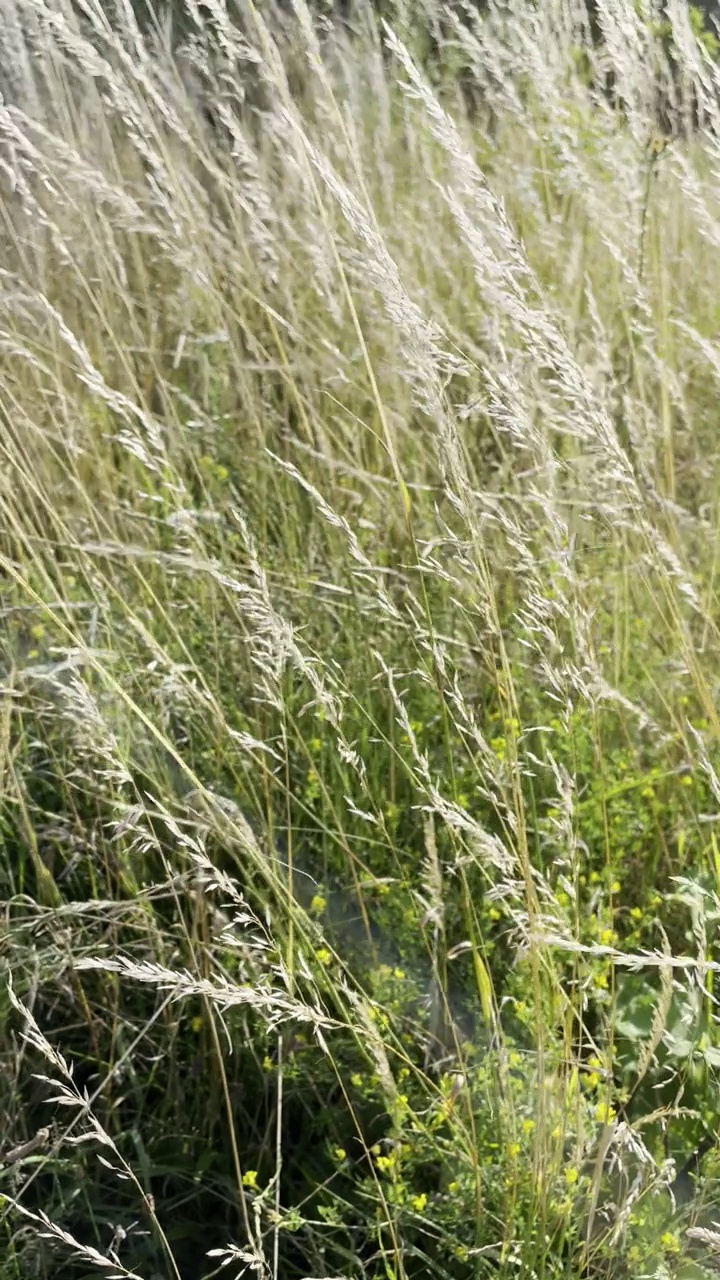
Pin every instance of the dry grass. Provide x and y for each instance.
(358, 715)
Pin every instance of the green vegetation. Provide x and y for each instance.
(360, 648)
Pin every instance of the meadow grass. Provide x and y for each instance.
(359, 550)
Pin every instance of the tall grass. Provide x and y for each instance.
(359, 546)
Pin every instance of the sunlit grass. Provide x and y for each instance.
(358, 730)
